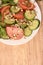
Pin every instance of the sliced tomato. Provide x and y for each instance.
(4, 9)
(0, 9)
(18, 15)
(30, 6)
(24, 7)
(21, 1)
(6, 12)
(14, 32)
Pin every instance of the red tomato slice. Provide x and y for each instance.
(24, 7)
(21, 1)
(0, 9)
(6, 12)
(4, 9)
(14, 32)
(18, 15)
(30, 6)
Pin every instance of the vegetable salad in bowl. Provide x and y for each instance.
(17, 19)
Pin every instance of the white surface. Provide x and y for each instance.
(23, 41)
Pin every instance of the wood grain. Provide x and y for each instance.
(27, 54)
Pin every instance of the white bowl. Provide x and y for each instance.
(23, 41)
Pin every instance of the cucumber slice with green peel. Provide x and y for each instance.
(16, 21)
(2, 24)
(5, 1)
(15, 9)
(23, 25)
(15, 1)
(11, 2)
(30, 15)
(4, 4)
(27, 31)
(9, 21)
(3, 33)
(4, 37)
(35, 24)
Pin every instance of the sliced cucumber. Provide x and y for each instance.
(4, 36)
(5, 1)
(2, 24)
(27, 31)
(16, 21)
(15, 1)
(4, 4)
(8, 16)
(15, 9)
(30, 14)
(11, 2)
(3, 33)
(23, 25)
(35, 24)
(9, 21)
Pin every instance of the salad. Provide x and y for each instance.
(17, 19)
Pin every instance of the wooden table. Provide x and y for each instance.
(27, 54)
